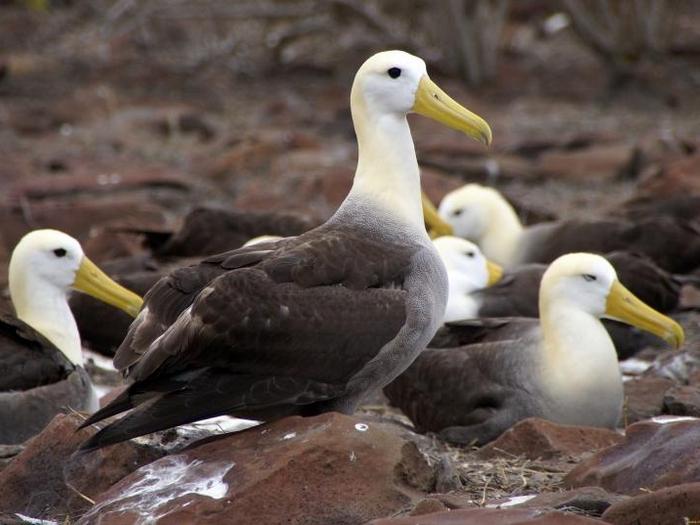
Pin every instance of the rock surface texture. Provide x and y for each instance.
(535, 438)
(657, 453)
(48, 480)
(677, 505)
(328, 469)
(491, 517)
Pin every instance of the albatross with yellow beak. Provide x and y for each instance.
(468, 272)
(482, 215)
(306, 324)
(40, 353)
(565, 369)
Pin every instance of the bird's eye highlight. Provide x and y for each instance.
(588, 277)
(59, 252)
(394, 72)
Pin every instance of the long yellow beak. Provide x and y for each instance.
(495, 272)
(433, 223)
(623, 306)
(93, 281)
(433, 102)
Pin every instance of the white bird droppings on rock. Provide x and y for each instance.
(361, 427)
(515, 500)
(35, 521)
(169, 479)
(664, 420)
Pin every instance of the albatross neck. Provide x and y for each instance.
(387, 174)
(501, 240)
(577, 350)
(44, 307)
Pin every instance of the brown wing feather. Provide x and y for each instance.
(28, 359)
(672, 244)
(465, 386)
(208, 231)
(279, 328)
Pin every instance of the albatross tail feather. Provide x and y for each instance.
(119, 404)
(171, 403)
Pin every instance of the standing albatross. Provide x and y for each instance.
(311, 323)
(40, 354)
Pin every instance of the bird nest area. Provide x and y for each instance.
(488, 482)
(504, 477)
(482, 482)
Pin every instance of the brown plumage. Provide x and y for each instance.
(311, 323)
(680, 207)
(37, 381)
(103, 328)
(204, 231)
(672, 244)
(263, 331)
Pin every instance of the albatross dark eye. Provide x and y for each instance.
(59, 252)
(394, 72)
(470, 254)
(588, 277)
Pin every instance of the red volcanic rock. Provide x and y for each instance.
(75, 217)
(326, 469)
(600, 162)
(644, 397)
(491, 517)
(679, 504)
(104, 244)
(46, 480)
(592, 501)
(682, 400)
(87, 179)
(676, 177)
(654, 455)
(535, 438)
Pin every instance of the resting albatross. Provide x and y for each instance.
(564, 370)
(479, 292)
(40, 354)
(311, 323)
(468, 272)
(482, 215)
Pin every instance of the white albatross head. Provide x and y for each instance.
(473, 210)
(467, 271)
(464, 259)
(387, 87)
(45, 265)
(588, 283)
(397, 83)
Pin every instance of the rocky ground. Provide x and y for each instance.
(106, 123)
